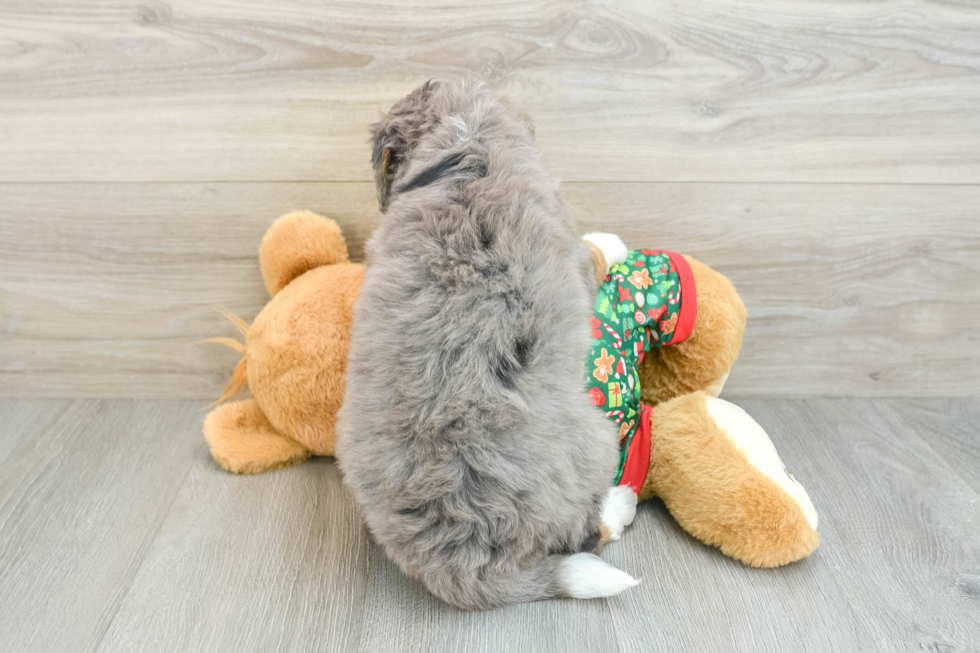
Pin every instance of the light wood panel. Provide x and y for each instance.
(81, 498)
(106, 289)
(695, 599)
(639, 90)
(118, 533)
(851, 289)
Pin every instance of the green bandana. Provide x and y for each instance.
(638, 307)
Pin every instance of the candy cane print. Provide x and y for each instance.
(617, 341)
(618, 414)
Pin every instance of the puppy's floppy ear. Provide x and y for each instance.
(598, 262)
(383, 170)
(396, 135)
(385, 161)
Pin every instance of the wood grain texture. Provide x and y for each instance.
(950, 427)
(861, 280)
(897, 568)
(400, 616)
(105, 289)
(276, 562)
(23, 417)
(693, 598)
(639, 90)
(118, 533)
(81, 498)
(851, 289)
(898, 525)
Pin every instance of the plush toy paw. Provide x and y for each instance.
(618, 511)
(754, 444)
(720, 476)
(610, 245)
(243, 441)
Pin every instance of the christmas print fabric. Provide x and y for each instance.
(637, 308)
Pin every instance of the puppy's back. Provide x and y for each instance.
(466, 435)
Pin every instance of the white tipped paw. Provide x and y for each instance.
(585, 576)
(618, 510)
(612, 248)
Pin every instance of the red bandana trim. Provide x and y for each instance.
(688, 312)
(638, 455)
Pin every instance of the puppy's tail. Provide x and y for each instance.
(578, 576)
(586, 576)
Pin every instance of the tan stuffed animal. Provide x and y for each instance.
(712, 465)
(295, 354)
(673, 327)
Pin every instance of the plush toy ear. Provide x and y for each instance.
(298, 242)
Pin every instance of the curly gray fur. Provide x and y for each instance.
(466, 435)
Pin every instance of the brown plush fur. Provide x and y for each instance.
(296, 352)
(715, 494)
(243, 441)
(705, 357)
(707, 484)
(295, 357)
(295, 363)
(298, 242)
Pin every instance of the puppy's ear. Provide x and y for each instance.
(395, 137)
(598, 262)
(383, 169)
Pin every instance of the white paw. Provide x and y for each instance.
(585, 576)
(610, 245)
(618, 510)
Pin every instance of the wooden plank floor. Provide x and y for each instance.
(119, 533)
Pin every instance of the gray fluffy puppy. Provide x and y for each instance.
(466, 435)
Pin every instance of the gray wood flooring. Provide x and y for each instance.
(119, 533)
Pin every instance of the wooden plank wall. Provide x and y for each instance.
(824, 155)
